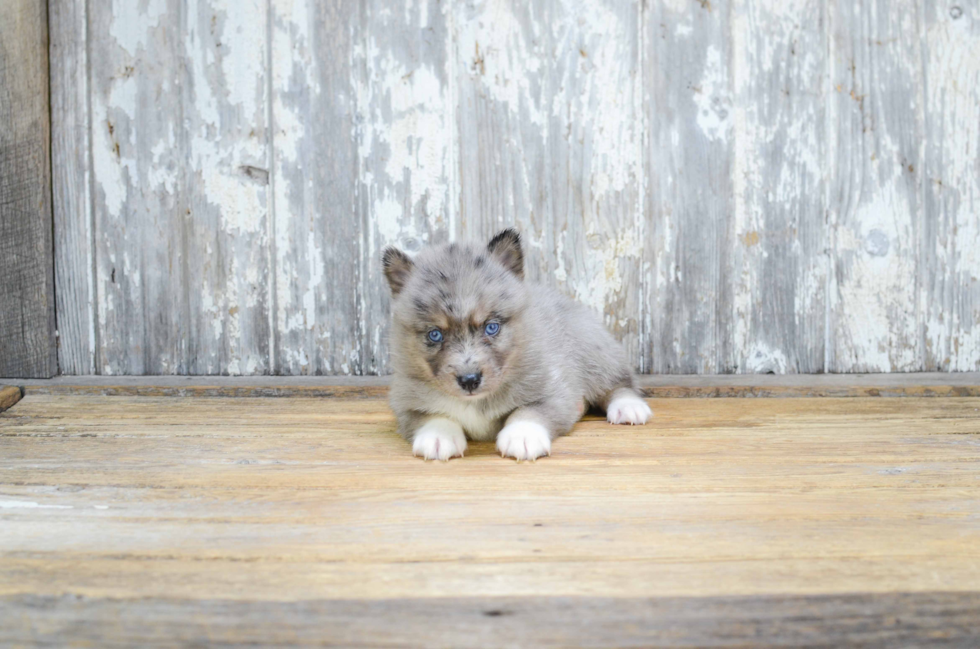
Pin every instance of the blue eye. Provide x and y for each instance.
(435, 336)
(491, 329)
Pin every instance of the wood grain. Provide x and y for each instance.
(875, 202)
(71, 151)
(549, 113)
(253, 507)
(317, 210)
(138, 157)
(737, 186)
(918, 619)
(406, 187)
(224, 231)
(779, 237)
(688, 97)
(180, 160)
(27, 316)
(950, 256)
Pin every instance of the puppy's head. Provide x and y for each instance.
(457, 313)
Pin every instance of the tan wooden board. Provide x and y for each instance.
(721, 515)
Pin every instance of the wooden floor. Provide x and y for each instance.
(155, 521)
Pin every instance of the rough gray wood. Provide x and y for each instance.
(180, 161)
(225, 229)
(947, 619)
(135, 80)
(406, 190)
(875, 203)
(550, 121)
(950, 256)
(317, 223)
(27, 316)
(688, 96)
(778, 239)
(736, 185)
(71, 181)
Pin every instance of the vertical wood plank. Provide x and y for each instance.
(27, 316)
(550, 131)
(181, 186)
(688, 95)
(317, 217)
(71, 177)
(138, 204)
(876, 187)
(226, 246)
(779, 265)
(951, 235)
(406, 189)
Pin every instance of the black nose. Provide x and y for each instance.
(469, 382)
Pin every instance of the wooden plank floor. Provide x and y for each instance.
(154, 521)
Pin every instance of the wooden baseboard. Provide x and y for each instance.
(659, 386)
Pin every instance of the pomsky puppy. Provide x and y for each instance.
(479, 353)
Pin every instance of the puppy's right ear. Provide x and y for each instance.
(506, 247)
(398, 267)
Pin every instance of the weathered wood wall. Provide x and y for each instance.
(27, 315)
(737, 185)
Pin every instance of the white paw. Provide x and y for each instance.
(524, 440)
(628, 409)
(439, 439)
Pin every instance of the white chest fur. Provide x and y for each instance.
(477, 425)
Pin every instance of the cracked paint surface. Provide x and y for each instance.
(734, 186)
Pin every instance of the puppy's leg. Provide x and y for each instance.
(625, 406)
(433, 438)
(528, 432)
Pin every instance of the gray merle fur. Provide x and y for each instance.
(551, 357)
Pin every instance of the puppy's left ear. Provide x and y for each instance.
(506, 248)
(398, 268)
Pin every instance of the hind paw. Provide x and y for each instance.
(628, 409)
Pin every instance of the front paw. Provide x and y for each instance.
(439, 439)
(628, 409)
(524, 440)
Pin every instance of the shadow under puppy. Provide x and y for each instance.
(478, 352)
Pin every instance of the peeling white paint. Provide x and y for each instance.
(872, 309)
(127, 14)
(779, 149)
(712, 97)
(602, 268)
(241, 39)
(763, 360)
(499, 50)
(415, 142)
(952, 58)
(114, 169)
(553, 95)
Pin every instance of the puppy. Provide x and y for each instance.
(479, 353)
